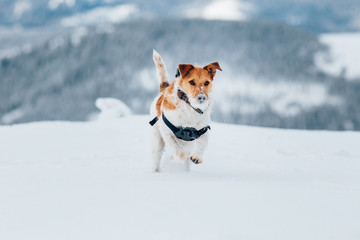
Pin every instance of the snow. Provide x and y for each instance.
(344, 54)
(20, 7)
(145, 79)
(101, 15)
(111, 108)
(54, 4)
(283, 97)
(93, 180)
(12, 116)
(58, 42)
(78, 34)
(16, 40)
(227, 10)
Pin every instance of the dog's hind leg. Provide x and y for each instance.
(157, 149)
(176, 149)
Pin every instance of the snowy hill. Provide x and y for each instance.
(93, 180)
(270, 76)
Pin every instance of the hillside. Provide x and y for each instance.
(93, 180)
(270, 77)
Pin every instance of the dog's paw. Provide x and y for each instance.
(195, 159)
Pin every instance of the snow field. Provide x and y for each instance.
(93, 180)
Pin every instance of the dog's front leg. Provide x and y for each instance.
(171, 142)
(199, 148)
(179, 152)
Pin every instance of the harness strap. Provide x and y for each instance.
(169, 124)
(185, 98)
(152, 122)
(187, 133)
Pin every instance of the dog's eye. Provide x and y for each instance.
(206, 83)
(192, 82)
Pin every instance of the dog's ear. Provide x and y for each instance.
(211, 68)
(185, 69)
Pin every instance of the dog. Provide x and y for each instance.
(181, 112)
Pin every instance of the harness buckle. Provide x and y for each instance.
(187, 134)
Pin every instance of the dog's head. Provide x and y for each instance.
(197, 82)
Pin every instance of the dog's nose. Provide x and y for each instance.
(201, 97)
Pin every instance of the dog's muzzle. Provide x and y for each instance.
(201, 97)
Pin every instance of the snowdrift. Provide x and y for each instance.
(93, 180)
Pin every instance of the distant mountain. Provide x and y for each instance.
(316, 16)
(38, 13)
(269, 77)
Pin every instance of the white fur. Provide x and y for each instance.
(184, 116)
(160, 67)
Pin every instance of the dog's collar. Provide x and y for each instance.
(185, 98)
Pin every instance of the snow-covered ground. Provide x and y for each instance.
(344, 56)
(93, 180)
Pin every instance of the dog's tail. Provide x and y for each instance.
(161, 70)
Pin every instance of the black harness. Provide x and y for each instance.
(183, 133)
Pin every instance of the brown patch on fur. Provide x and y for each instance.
(185, 69)
(167, 104)
(163, 85)
(170, 89)
(181, 155)
(164, 102)
(158, 105)
(211, 68)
